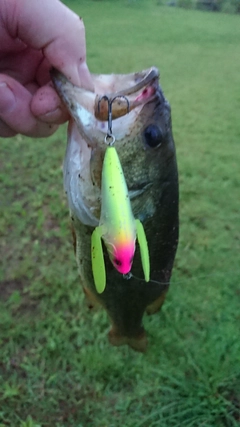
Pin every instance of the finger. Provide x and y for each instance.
(42, 75)
(15, 110)
(22, 65)
(59, 32)
(47, 106)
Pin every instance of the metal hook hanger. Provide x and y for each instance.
(110, 102)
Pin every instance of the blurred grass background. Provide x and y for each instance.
(56, 365)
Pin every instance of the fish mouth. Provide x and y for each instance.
(88, 128)
(139, 93)
(137, 88)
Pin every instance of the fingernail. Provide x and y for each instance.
(7, 98)
(55, 116)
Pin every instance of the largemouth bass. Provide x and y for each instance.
(146, 151)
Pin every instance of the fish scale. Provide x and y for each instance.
(145, 146)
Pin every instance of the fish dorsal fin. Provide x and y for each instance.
(142, 240)
(98, 265)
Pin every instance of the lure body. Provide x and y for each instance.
(117, 221)
(117, 226)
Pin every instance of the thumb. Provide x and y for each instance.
(59, 32)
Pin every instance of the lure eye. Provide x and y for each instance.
(153, 136)
(117, 262)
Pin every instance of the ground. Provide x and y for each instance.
(57, 367)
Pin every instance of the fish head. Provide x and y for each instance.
(141, 125)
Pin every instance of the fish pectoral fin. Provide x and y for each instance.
(98, 265)
(142, 240)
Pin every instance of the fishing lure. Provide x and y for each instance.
(117, 226)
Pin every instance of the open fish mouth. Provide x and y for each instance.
(139, 93)
(139, 88)
(144, 143)
(89, 126)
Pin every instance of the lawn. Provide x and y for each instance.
(57, 368)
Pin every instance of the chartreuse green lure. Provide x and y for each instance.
(117, 226)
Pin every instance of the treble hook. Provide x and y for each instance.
(110, 102)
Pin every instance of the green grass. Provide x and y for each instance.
(57, 367)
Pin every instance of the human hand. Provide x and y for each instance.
(36, 35)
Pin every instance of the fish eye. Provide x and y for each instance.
(117, 262)
(153, 136)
